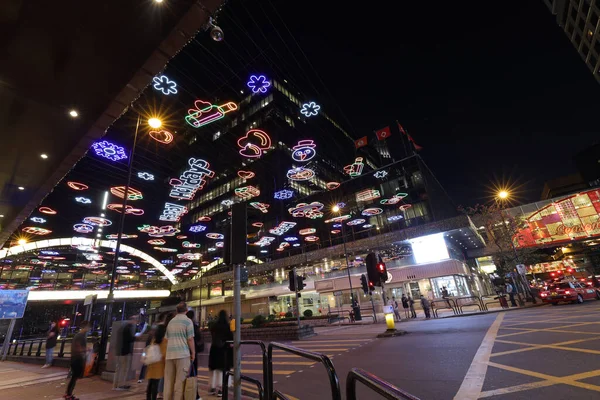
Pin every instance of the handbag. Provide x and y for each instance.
(190, 391)
(151, 354)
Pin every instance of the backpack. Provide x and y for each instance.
(151, 354)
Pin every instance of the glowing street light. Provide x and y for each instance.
(155, 123)
(335, 208)
(503, 195)
(22, 241)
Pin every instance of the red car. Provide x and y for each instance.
(569, 291)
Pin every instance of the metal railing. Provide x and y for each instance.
(446, 301)
(468, 301)
(379, 386)
(262, 387)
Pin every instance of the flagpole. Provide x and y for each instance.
(402, 136)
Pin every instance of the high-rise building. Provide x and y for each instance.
(579, 19)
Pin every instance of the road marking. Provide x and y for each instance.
(281, 362)
(332, 341)
(470, 389)
(542, 346)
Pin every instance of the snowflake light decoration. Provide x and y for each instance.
(283, 194)
(258, 84)
(164, 84)
(227, 202)
(109, 150)
(38, 220)
(310, 109)
(197, 228)
(145, 176)
(83, 200)
(380, 174)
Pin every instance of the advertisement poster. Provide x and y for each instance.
(13, 303)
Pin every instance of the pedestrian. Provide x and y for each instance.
(78, 358)
(51, 339)
(411, 305)
(181, 353)
(510, 290)
(396, 309)
(445, 296)
(155, 372)
(426, 304)
(198, 341)
(124, 353)
(220, 358)
(404, 301)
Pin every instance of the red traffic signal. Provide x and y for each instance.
(62, 323)
(371, 286)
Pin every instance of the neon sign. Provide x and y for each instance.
(395, 218)
(197, 228)
(227, 202)
(311, 238)
(123, 236)
(354, 222)
(283, 245)
(192, 180)
(83, 200)
(190, 245)
(404, 207)
(300, 174)
(156, 231)
(211, 249)
(129, 210)
(204, 218)
(246, 174)
(83, 228)
(215, 236)
(283, 194)
(47, 210)
(368, 195)
(219, 245)
(282, 228)
(157, 242)
(145, 176)
(390, 201)
(312, 210)
(307, 231)
(173, 212)
(254, 143)
(162, 136)
(246, 192)
(368, 212)
(262, 207)
(38, 220)
(77, 186)
(190, 256)
(97, 221)
(366, 226)
(132, 194)
(338, 219)
(34, 230)
(332, 185)
(264, 241)
(205, 113)
(166, 249)
(356, 168)
(165, 85)
(181, 237)
(109, 150)
(166, 262)
(335, 231)
(380, 174)
(258, 84)
(304, 151)
(309, 109)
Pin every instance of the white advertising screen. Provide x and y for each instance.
(431, 248)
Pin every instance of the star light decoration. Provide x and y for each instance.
(283, 194)
(258, 84)
(109, 150)
(227, 202)
(145, 176)
(164, 84)
(38, 220)
(83, 200)
(380, 174)
(310, 109)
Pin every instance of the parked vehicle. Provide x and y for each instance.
(569, 292)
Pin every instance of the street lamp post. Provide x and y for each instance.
(336, 209)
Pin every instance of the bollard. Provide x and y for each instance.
(389, 317)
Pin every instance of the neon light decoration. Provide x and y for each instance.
(83, 200)
(283, 194)
(164, 84)
(254, 143)
(282, 228)
(204, 218)
(77, 186)
(246, 174)
(205, 113)
(215, 236)
(263, 207)
(341, 204)
(157, 242)
(401, 195)
(291, 239)
(197, 228)
(109, 150)
(211, 249)
(47, 210)
(390, 201)
(368, 195)
(380, 174)
(180, 237)
(283, 245)
(132, 194)
(123, 236)
(368, 212)
(38, 220)
(192, 180)
(145, 176)
(310, 109)
(356, 168)
(258, 83)
(83, 228)
(332, 185)
(220, 245)
(337, 225)
(296, 245)
(404, 207)
(184, 264)
(166, 262)
(339, 218)
(257, 224)
(34, 230)
(190, 256)
(354, 222)
(335, 231)
(129, 210)
(246, 192)
(97, 221)
(264, 241)
(366, 226)
(307, 231)
(163, 136)
(395, 218)
(300, 174)
(304, 151)
(156, 231)
(312, 210)
(227, 202)
(190, 245)
(166, 249)
(173, 212)
(311, 238)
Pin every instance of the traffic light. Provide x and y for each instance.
(292, 279)
(372, 272)
(364, 284)
(382, 271)
(300, 282)
(371, 286)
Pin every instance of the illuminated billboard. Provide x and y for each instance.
(13, 303)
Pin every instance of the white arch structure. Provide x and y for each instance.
(78, 241)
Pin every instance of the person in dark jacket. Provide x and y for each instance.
(78, 358)
(124, 353)
(199, 343)
(51, 339)
(220, 358)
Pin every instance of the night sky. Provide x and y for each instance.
(491, 94)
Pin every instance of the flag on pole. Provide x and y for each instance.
(410, 139)
(361, 142)
(383, 133)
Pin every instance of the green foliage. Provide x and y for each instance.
(271, 318)
(289, 314)
(308, 313)
(258, 321)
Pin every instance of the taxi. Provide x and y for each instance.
(568, 292)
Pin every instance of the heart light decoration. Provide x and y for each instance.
(246, 174)
(162, 136)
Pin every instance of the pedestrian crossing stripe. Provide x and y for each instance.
(281, 362)
(255, 371)
(331, 341)
(278, 356)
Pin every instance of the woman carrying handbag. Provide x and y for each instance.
(156, 371)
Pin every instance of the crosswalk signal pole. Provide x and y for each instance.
(297, 298)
